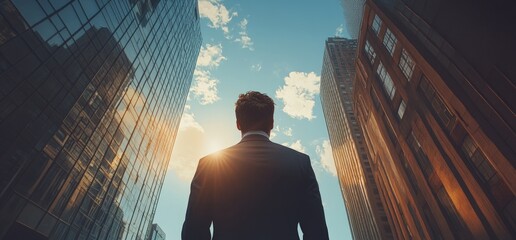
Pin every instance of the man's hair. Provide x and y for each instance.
(254, 111)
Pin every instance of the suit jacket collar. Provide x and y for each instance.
(256, 132)
(254, 137)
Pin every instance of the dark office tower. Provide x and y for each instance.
(91, 94)
(156, 233)
(365, 212)
(434, 94)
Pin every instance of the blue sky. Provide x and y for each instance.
(275, 47)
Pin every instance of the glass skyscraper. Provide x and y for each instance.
(352, 10)
(156, 233)
(91, 95)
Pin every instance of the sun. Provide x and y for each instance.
(213, 146)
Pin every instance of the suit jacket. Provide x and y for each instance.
(255, 190)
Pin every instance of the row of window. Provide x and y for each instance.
(475, 158)
(406, 63)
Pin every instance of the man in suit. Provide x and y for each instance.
(256, 189)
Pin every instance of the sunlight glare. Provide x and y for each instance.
(213, 146)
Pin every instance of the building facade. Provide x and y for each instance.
(434, 95)
(352, 10)
(157, 233)
(366, 216)
(91, 95)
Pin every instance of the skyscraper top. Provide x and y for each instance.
(353, 10)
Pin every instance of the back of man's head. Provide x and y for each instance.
(254, 112)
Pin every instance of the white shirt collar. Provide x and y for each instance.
(255, 133)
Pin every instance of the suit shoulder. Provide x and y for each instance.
(217, 154)
(291, 151)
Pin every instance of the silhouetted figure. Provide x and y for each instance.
(256, 189)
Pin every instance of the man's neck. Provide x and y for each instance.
(255, 133)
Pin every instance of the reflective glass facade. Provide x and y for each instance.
(352, 10)
(156, 233)
(367, 218)
(91, 95)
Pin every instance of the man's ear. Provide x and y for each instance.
(238, 125)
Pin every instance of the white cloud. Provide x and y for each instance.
(185, 157)
(274, 132)
(298, 94)
(339, 31)
(188, 121)
(273, 135)
(297, 145)
(217, 13)
(243, 24)
(256, 67)
(205, 87)
(244, 38)
(210, 56)
(326, 157)
(288, 132)
(285, 131)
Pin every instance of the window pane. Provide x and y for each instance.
(401, 109)
(477, 159)
(30, 10)
(370, 52)
(389, 40)
(406, 64)
(444, 115)
(377, 23)
(388, 85)
(31, 215)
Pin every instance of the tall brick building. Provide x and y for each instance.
(434, 95)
